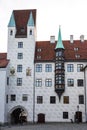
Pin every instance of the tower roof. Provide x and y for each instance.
(31, 20)
(59, 42)
(12, 21)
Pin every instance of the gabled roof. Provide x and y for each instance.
(76, 51)
(21, 20)
(3, 60)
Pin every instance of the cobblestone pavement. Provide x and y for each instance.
(48, 126)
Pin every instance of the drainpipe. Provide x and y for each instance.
(84, 69)
(34, 97)
(85, 93)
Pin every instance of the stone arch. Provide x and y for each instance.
(14, 113)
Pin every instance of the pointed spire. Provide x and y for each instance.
(31, 20)
(59, 42)
(12, 21)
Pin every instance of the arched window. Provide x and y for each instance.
(30, 32)
(11, 32)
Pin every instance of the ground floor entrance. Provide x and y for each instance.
(78, 116)
(41, 118)
(18, 115)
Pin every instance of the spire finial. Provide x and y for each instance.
(59, 42)
(31, 20)
(12, 21)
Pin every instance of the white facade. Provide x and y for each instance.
(23, 83)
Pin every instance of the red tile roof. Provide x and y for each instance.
(21, 18)
(47, 52)
(3, 60)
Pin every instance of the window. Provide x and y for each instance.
(52, 99)
(20, 56)
(19, 68)
(70, 67)
(30, 32)
(24, 97)
(81, 99)
(59, 66)
(59, 53)
(48, 68)
(39, 50)
(79, 67)
(38, 67)
(48, 82)
(38, 82)
(59, 79)
(6, 98)
(70, 82)
(7, 80)
(39, 99)
(20, 44)
(66, 99)
(65, 115)
(80, 82)
(19, 81)
(11, 32)
(13, 97)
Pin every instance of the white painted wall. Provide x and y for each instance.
(2, 94)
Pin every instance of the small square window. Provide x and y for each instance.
(52, 100)
(66, 99)
(70, 82)
(81, 99)
(70, 68)
(20, 44)
(80, 82)
(65, 115)
(19, 81)
(24, 97)
(19, 68)
(39, 99)
(13, 97)
(20, 56)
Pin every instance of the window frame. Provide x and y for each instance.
(19, 68)
(39, 99)
(38, 67)
(20, 56)
(70, 82)
(81, 99)
(80, 82)
(52, 100)
(38, 82)
(19, 81)
(66, 99)
(70, 68)
(48, 68)
(20, 44)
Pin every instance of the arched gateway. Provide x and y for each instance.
(17, 115)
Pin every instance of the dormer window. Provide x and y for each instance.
(76, 49)
(39, 50)
(11, 32)
(30, 32)
(38, 57)
(22, 30)
(77, 56)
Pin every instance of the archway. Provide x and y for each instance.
(18, 115)
(41, 118)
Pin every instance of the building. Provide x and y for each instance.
(44, 81)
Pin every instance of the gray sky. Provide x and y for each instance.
(70, 14)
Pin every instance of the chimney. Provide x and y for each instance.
(71, 39)
(52, 39)
(82, 38)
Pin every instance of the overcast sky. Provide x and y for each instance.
(70, 14)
